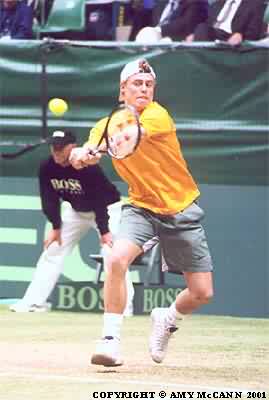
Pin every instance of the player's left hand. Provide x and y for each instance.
(107, 239)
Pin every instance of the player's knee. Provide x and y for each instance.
(203, 295)
(208, 296)
(117, 265)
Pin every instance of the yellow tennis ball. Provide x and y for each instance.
(58, 106)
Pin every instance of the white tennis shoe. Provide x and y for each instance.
(107, 352)
(160, 334)
(23, 308)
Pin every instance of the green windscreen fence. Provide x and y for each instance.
(217, 96)
(219, 99)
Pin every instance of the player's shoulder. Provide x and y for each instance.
(156, 112)
(100, 125)
(156, 108)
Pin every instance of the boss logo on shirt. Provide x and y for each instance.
(68, 185)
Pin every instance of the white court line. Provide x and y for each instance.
(79, 379)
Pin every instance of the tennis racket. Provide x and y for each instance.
(122, 133)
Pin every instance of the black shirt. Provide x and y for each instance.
(87, 189)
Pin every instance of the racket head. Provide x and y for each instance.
(122, 132)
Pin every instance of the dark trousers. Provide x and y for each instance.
(207, 33)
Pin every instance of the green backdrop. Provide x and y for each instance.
(217, 96)
(219, 100)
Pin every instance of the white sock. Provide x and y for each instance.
(173, 316)
(112, 325)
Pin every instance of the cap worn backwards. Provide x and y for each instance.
(62, 138)
(136, 67)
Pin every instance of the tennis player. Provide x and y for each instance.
(89, 200)
(163, 202)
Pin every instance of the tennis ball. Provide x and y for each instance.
(58, 106)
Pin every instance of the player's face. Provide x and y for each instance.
(138, 90)
(61, 154)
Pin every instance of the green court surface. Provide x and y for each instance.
(46, 356)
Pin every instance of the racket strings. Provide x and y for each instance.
(122, 133)
(123, 136)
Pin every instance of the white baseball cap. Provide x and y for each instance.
(136, 67)
(61, 138)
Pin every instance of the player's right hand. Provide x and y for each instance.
(53, 236)
(77, 157)
(80, 157)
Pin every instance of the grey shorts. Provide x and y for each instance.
(182, 237)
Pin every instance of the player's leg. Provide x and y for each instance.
(128, 310)
(199, 291)
(114, 212)
(134, 231)
(51, 262)
(115, 296)
(107, 352)
(185, 251)
(166, 320)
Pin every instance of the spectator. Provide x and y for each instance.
(41, 9)
(98, 22)
(178, 19)
(16, 20)
(232, 21)
(141, 15)
(90, 195)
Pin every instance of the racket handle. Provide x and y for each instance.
(96, 151)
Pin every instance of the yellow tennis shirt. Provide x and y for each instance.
(156, 172)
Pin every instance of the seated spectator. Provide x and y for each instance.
(41, 9)
(16, 20)
(178, 19)
(232, 21)
(141, 15)
(98, 24)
